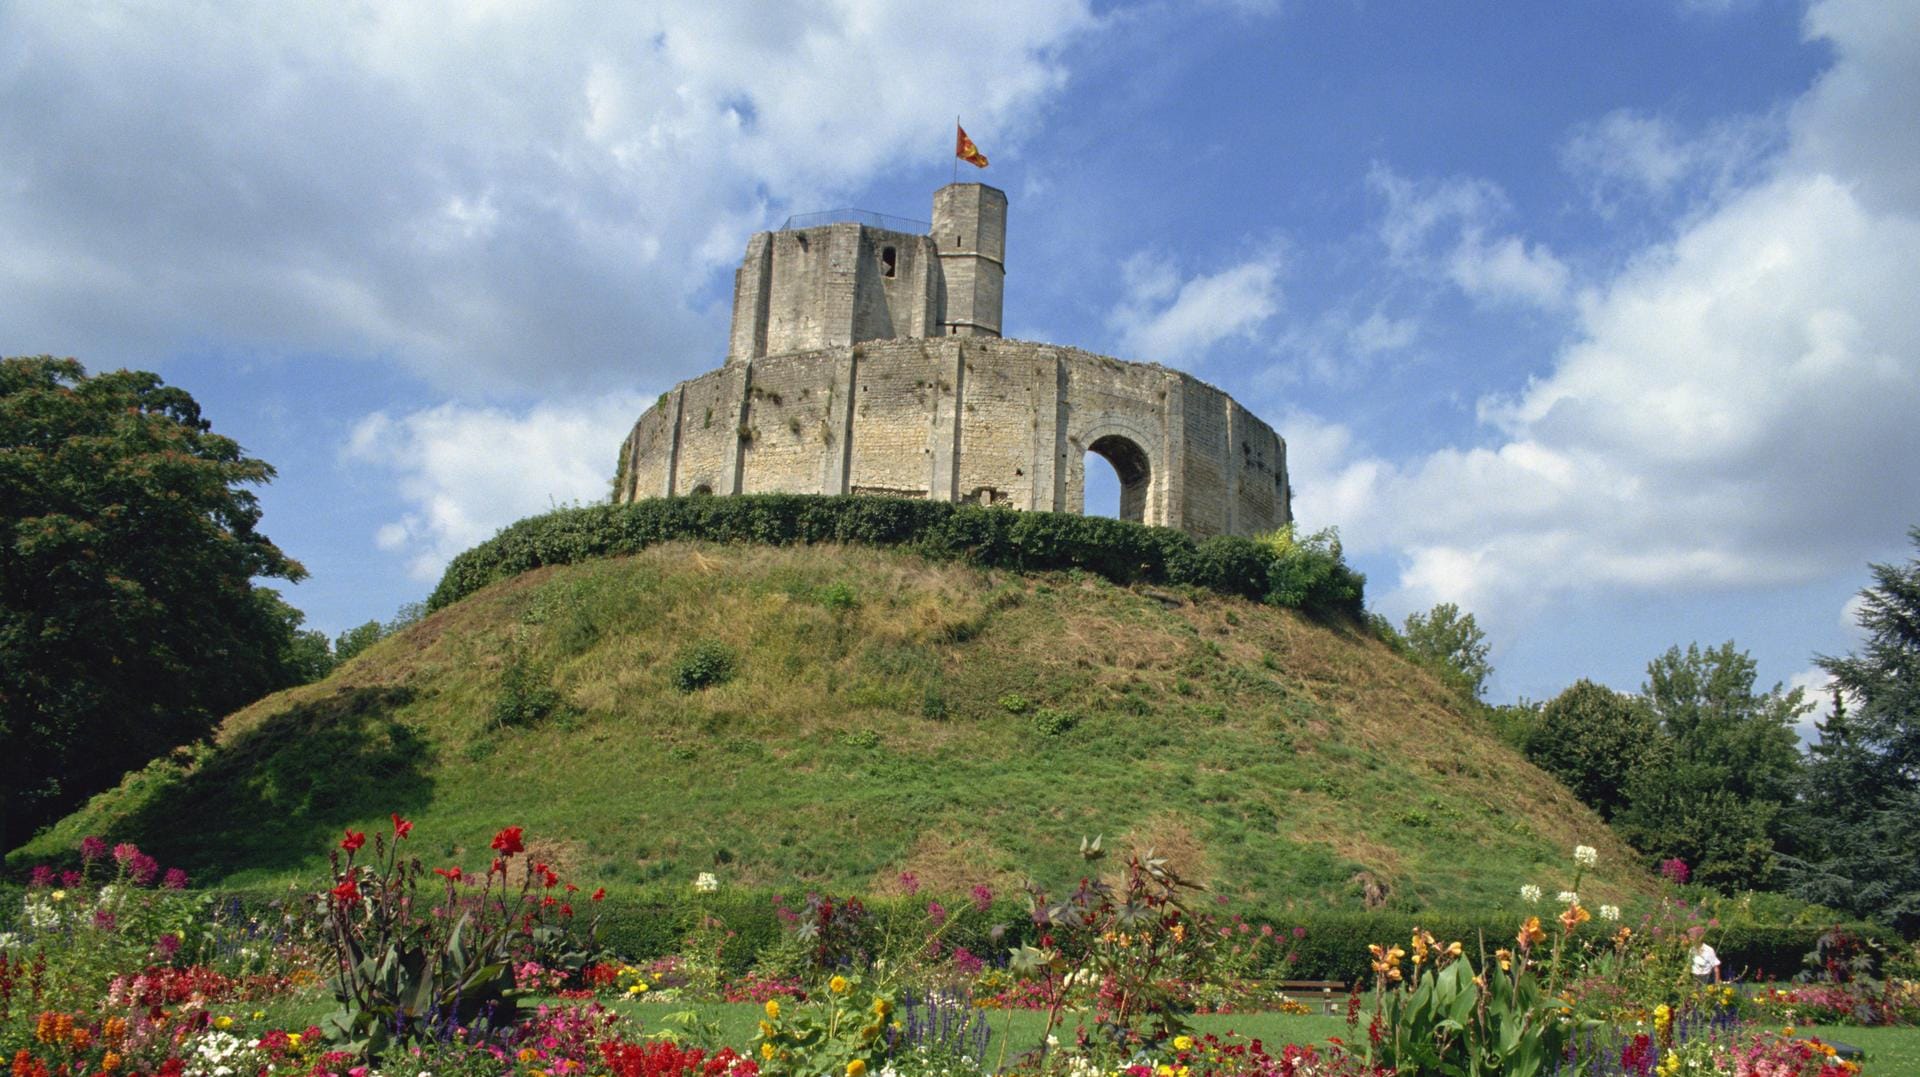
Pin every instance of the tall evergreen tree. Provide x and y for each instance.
(1861, 787)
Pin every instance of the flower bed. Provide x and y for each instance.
(397, 967)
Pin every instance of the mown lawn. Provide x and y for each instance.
(1890, 1052)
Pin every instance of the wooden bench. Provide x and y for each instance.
(1329, 994)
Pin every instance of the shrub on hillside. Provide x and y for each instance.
(703, 665)
(1307, 573)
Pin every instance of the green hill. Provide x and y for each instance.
(885, 713)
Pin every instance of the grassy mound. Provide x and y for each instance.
(831, 716)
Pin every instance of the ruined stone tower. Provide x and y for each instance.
(865, 358)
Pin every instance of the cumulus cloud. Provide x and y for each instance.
(499, 195)
(1447, 228)
(1736, 406)
(1167, 318)
(470, 471)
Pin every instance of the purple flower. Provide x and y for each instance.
(42, 876)
(982, 898)
(1675, 870)
(910, 883)
(92, 848)
(937, 912)
(168, 945)
(143, 869)
(103, 920)
(175, 879)
(70, 878)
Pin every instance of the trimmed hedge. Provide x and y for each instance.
(1308, 576)
(652, 922)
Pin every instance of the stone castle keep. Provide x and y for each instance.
(865, 359)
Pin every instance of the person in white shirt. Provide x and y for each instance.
(1706, 964)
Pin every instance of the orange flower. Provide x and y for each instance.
(1530, 933)
(1574, 917)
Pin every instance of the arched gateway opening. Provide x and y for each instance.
(1130, 470)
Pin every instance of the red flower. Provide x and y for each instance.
(453, 873)
(600, 894)
(508, 842)
(347, 893)
(571, 889)
(354, 840)
(566, 910)
(499, 867)
(401, 827)
(547, 878)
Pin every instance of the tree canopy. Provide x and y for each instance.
(1861, 785)
(129, 622)
(1451, 641)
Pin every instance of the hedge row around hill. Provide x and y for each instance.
(1309, 575)
(652, 923)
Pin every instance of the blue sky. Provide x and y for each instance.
(1596, 318)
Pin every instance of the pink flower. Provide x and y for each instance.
(1675, 870)
(937, 913)
(982, 898)
(1299, 932)
(175, 879)
(42, 876)
(70, 878)
(143, 869)
(92, 848)
(910, 883)
(124, 852)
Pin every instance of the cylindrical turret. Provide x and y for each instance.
(970, 232)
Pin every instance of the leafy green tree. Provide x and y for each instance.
(1451, 641)
(1705, 701)
(305, 656)
(357, 639)
(1718, 794)
(1861, 786)
(1595, 740)
(129, 622)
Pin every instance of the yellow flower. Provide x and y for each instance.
(766, 1031)
(111, 1062)
(258, 1014)
(837, 985)
(881, 1007)
(61, 895)
(1183, 1043)
(293, 1039)
(766, 1051)
(1530, 932)
(528, 1054)
(857, 1067)
(773, 1008)
(223, 1022)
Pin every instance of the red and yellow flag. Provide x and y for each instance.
(964, 149)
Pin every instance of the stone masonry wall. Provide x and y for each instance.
(965, 419)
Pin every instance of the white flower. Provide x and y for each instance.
(1530, 894)
(1568, 897)
(1609, 912)
(1585, 855)
(706, 883)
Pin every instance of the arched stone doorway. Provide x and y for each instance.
(1131, 466)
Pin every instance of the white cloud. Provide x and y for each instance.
(1736, 406)
(1626, 157)
(1446, 228)
(468, 472)
(1508, 268)
(497, 195)
(1379, 333)
(1167, 319)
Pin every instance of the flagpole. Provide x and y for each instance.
(956, 152)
